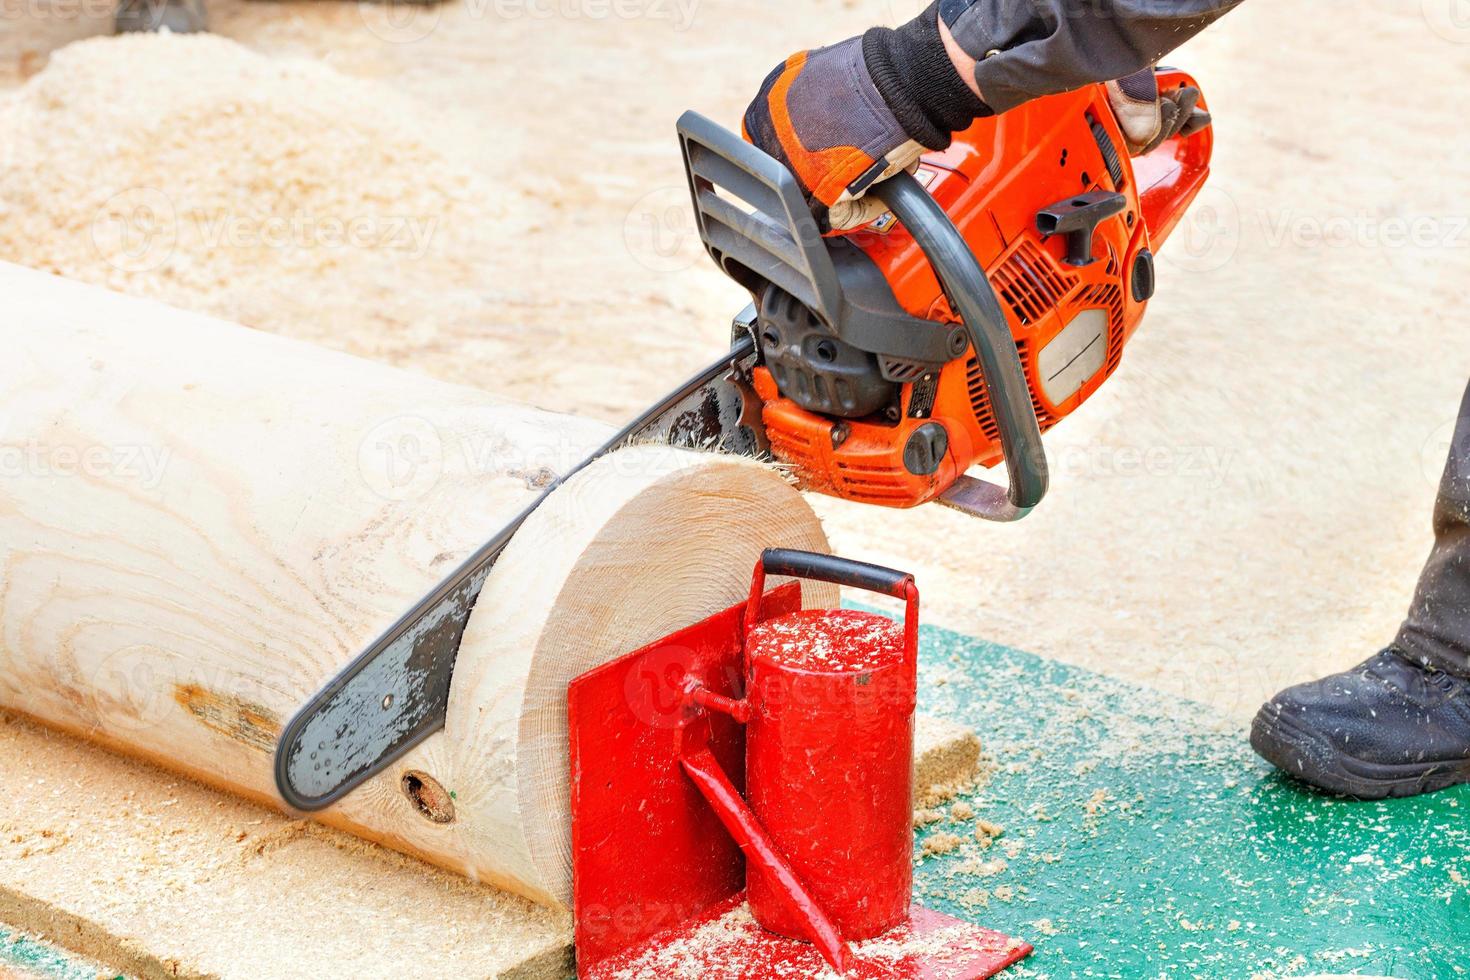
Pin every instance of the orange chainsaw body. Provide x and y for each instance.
(992, 182)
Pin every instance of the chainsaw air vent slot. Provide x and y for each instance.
(903, 371)
(1029, 283)
(1109, 151)
(875, 484)
(980, 399)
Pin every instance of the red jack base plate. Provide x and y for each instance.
(726, 943)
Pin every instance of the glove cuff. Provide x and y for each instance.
(914, 74)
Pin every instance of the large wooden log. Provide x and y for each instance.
(200, 524)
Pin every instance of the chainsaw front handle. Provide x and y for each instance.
(838, 571)
(972, 297)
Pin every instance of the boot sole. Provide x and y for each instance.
(1305, 755)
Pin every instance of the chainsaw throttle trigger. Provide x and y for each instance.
(1078, 218)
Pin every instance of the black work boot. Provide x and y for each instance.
(175, 16)
(1388, 727)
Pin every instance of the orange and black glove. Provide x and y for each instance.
(844, 117)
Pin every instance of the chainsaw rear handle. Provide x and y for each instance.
(974, 300)
(1170, 176)
(838, 571)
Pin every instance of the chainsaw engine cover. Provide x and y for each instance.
(814, 367)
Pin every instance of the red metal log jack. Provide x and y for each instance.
(742, 797)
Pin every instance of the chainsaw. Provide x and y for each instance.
(990, 301)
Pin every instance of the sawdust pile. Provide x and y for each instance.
(720, 950)
(277, 193)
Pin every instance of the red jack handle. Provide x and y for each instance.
(839, 571)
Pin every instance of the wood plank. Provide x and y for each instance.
(158, 876)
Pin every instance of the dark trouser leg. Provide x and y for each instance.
(1437, 632)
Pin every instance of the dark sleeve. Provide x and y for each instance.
(1030, 48)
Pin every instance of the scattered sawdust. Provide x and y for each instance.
(206, 175)
(711, 952)
(977, 867)
(940, 842)
(842, 640)
(31, 843)
(276, 839)
(949, 762)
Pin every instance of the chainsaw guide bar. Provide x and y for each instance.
(396, 692)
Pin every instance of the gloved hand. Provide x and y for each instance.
(1148, 118)
(844, 117)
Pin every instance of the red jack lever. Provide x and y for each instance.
(702, 768)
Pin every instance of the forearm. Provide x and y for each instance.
(1012, 51)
